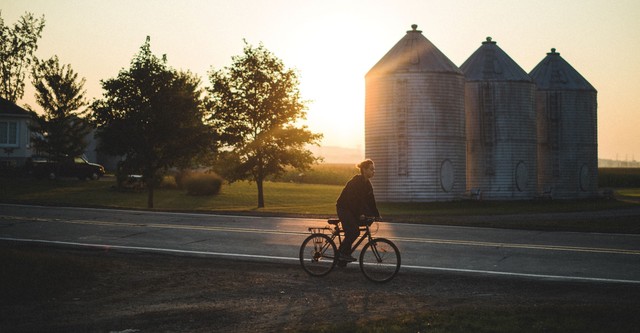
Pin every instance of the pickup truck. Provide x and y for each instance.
(67, 167)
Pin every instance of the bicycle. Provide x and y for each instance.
(379, 259)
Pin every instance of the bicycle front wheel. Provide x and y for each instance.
(318, 254)
(380, 260)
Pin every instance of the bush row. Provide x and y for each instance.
(199, 183)
(195, 183)
(619, 177)
(324, 174)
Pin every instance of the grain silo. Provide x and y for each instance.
(414, 123)
(500, 125)
(567, 130)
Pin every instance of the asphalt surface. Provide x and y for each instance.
(570, 256)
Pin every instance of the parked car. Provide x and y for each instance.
(66, 167)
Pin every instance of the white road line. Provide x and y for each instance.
(519, 245)
(154, 225)
(284, 232)
(148, 212)
(142, 248)
(255, 256)
(214, 214)
(536, 276)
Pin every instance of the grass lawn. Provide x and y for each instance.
(630, 192)
(316, 200)
(237, 197)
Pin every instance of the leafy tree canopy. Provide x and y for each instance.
(17, 47)
(59, 91)
(152, 115)
(255, 105)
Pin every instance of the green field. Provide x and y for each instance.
(235, 197)
(619, 177)
(316, 200)
(280, 197)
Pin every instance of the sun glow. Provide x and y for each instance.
(332, 69)
(333, 44)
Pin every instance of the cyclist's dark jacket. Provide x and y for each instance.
(357, 197)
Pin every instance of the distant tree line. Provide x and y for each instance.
(244, 125)
(619, 177)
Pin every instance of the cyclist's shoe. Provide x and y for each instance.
(346, 258)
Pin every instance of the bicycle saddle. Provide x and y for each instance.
(333, 221)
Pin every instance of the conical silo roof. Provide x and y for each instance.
(491, 63)
(414, 53)
(555, 73)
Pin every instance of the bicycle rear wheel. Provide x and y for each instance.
(318, 254)
(380, 260)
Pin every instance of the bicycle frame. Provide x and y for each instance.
(379, 259)
(366, 235)
(337, 232)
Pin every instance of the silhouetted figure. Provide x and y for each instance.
(354, 204)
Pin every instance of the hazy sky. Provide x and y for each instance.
(332, 45)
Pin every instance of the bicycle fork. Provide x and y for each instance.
(374, 249)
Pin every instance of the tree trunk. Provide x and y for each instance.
(150, 194)
(260, 193)
(149, 179)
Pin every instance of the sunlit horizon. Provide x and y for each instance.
(332, 45)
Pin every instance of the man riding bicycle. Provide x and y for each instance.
(356, 202)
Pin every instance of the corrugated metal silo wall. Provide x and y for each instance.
(414, 132)
(568, 143)
(501, 139)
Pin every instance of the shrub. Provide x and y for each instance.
(180, 177)
(202, 183)
(168, 182)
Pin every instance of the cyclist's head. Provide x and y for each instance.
(366, 166)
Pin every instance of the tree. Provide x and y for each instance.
(17, 46)
(255, 104)
(152, 115)
(62, 130)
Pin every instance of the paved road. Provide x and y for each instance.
(610, 258)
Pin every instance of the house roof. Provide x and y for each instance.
(9, 108)
(414, 53)
(491, 63)
(555, 73)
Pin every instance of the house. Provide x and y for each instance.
(15, 143)
(15, 137)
